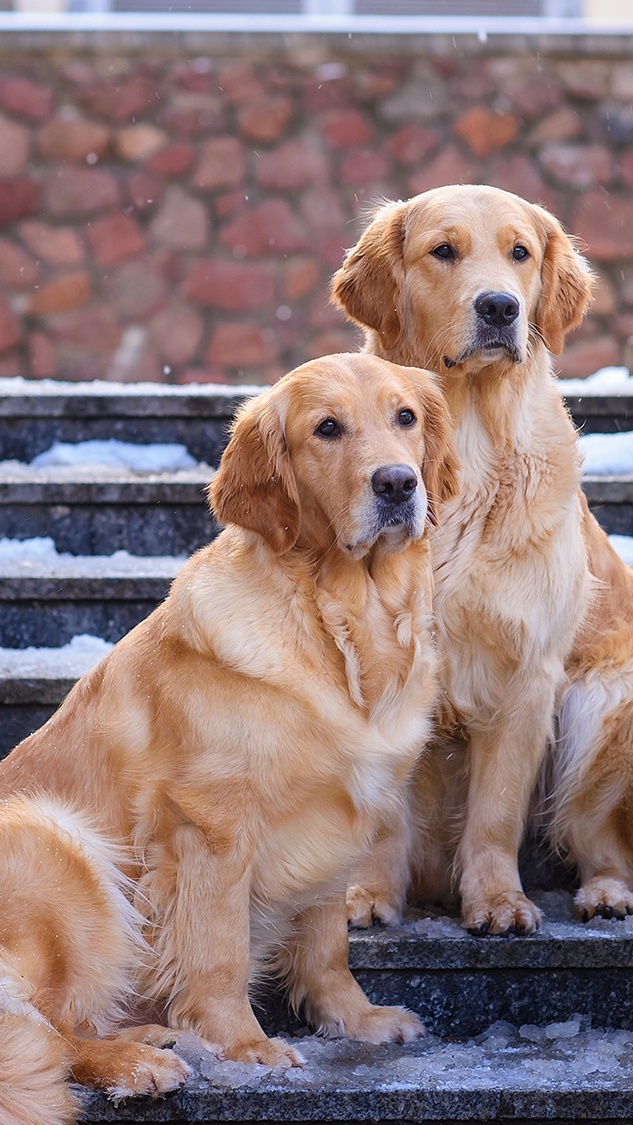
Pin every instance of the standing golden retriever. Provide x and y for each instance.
(230, 758)
(479, 285)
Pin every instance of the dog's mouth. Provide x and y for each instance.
(487, 343)
(391, 527)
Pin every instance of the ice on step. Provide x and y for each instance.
(68, 662)
(209, 1068)
(437, 926)
(565, 1030)
(532, 1032)
(158, 457)
(560, 1057)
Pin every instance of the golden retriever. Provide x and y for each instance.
(480, 286)
(231, 757)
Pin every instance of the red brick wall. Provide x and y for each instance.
(173, 206)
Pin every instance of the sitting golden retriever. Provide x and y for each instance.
(480, 286)
(231, 757)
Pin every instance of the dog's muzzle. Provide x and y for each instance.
(497, 310)
(495, 327)
(395, 489)
(394, 483)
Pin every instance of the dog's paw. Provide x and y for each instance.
(269, 1052)
(157, 1036)
(151, 1071)
(603, 897)
(369, 908)
(505, 914)
(384, 1025)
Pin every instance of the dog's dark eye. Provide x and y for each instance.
(328, 428)
(520, 253)
(444, 252)
(406, 418)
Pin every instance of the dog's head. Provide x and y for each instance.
(347, 451)
(462, 277)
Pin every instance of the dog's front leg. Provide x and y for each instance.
(202, 942)
(379, 881)
(505, 758)
(321, 981)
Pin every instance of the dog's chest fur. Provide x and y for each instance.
(348, 655)
(508, 557)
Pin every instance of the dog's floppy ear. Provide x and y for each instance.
(369, 284)
(255, 486)
(440, 471)
(566, 286)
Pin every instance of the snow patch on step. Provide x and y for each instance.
(89, 460)
(157, 457)
(52, 387)
(623, 544)
(68, 662)
(607, 454)
(606, 381)
(39, 558)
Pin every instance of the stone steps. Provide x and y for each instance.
(154, 514)
(166, 513)
(50, 603)
(503, 1077)
(513, 1035)
(34, 416)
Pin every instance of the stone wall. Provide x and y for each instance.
(172, 206)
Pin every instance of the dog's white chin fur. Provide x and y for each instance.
(391, 539)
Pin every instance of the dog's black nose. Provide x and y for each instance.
(497, 309)
(394, 483)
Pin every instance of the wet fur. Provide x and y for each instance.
(229, 759)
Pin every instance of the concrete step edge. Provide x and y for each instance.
(188, 487)
(64, 577)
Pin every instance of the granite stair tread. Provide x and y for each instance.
(85, 571)
(24, 484)
(564, 1068)
(430, 940)
(100, 511)
(503, 1075)
(78, 484)
(90, 512)
(47, 598)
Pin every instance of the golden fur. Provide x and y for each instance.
(511, 573)
(240, 745)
